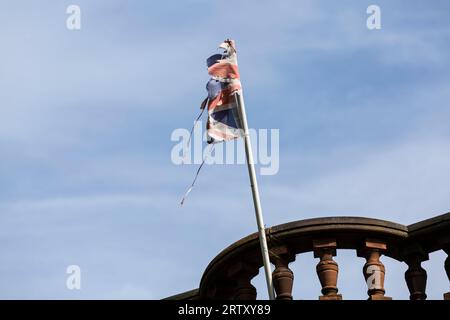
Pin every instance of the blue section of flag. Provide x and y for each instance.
(227, 117)
(214, 87)
(213, 59)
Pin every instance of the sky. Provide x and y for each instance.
(86, 117)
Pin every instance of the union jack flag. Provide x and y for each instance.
(223, 122)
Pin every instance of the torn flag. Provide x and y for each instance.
(224, 122)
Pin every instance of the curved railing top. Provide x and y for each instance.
(348, 233)
(432, 234)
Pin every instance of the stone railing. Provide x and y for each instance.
(229, 275)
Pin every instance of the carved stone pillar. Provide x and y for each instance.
(447, 270)
(374, 270)
(283, 277)
(242, 273)
(327, 269)
(416, 276)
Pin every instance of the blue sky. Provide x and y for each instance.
(86, 119)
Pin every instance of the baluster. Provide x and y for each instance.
(374, 270)
(416, 276)
(327, 269)
(283, 277)
(221, 289)
(447, 270)
(243, 273)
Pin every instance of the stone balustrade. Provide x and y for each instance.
(229, 274)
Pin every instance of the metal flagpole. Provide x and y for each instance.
(255, 193)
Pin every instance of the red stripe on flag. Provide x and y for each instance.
(215, 133)
(220, 100)
(224, 70)
(225, 96)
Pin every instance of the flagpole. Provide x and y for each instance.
(255, 194)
